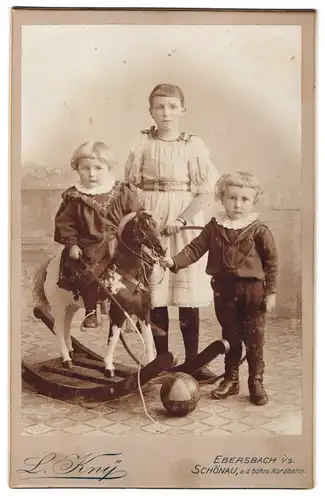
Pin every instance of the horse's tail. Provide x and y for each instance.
(38, 288)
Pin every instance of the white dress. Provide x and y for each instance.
(187, 160)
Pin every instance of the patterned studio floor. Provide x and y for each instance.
(283, 380)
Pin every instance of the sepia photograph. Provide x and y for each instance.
(162, 248)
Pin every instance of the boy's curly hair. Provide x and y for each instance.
(240, 179)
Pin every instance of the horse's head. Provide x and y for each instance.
(148, 234)
(141, 229)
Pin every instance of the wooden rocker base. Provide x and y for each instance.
(86, 379)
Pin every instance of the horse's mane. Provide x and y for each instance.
(113, 244)
(126, 219)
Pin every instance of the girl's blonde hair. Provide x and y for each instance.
(93, 149)
(240, 179)
(166, 90)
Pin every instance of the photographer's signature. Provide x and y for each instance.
(101, 467)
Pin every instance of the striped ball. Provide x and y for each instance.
(180, 394)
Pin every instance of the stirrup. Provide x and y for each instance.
(99, 319)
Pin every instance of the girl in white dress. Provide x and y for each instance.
(175, 177)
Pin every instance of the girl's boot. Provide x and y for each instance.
(159, 317)
(189, 325)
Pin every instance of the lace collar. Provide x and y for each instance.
(102, 207)
(223, 220)
(105, 188)
(152, 134)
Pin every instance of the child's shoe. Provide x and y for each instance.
(205, 376)
(225, 388)
(257, 393)
(229, 386)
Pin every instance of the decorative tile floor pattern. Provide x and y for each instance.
(283, 380)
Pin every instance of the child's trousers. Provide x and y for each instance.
(240, 310)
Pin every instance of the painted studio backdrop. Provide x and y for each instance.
(242, 95)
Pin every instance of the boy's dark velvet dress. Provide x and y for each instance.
(91, 222)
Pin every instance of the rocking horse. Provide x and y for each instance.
(80, 372)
